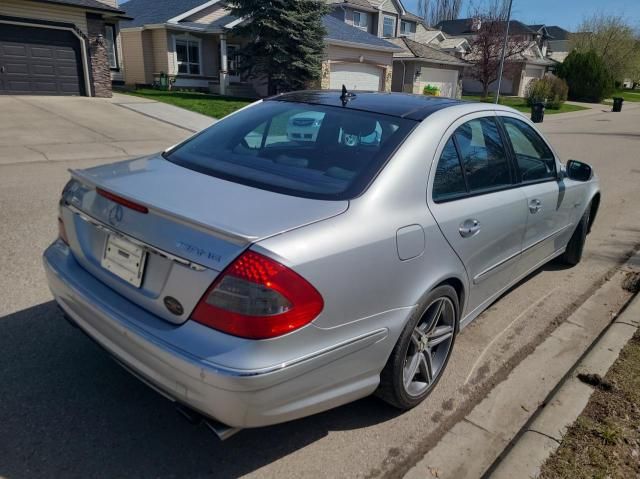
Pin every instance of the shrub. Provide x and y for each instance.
(431, 90)
(587, 77)
(550, 90)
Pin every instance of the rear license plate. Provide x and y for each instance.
(124, 259)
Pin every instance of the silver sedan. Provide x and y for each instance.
(253, 277)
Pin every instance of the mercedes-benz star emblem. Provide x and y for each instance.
(115, 215)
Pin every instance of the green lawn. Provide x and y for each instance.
(211, 105)
(628, 95)
(520, 104)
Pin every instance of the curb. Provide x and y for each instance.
(475, 446)
(546, 430)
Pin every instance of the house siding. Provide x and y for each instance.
(338, 53)
(146, 55)
(209, 14)
(134, 60)
(40, 11)
(111, 3)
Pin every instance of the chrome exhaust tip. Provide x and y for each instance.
(221, 430)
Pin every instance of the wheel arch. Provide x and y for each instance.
(595, 205)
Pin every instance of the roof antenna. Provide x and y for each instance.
(346, 96)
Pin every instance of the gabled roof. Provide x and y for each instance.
(416, 50)
(463, 26)
(150, 12)
(340, 32)
(558, 33)
(412, 17)
(90, 4)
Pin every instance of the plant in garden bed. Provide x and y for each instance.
(431, 90)
(550, 90)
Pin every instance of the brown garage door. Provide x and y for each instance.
(39, 61)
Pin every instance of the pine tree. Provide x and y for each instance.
(286, 41)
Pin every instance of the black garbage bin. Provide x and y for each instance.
(537, 112)
(617, 103)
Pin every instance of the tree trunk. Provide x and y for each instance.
(485, 90)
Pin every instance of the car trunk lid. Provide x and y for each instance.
(195, 225)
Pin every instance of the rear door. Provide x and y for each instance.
(473, 197)
(549, 213)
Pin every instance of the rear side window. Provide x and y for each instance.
(535, 160)
(483, 157)
(448, 182)
(300, 149)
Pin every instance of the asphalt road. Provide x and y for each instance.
(67, 410)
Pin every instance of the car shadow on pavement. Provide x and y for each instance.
(68, 410)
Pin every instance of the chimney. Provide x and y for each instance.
(476, 24)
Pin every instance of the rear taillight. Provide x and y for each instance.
(62, 232)
(258, 298)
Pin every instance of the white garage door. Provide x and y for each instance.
(530, 74)
(445, 80)
(355, 76)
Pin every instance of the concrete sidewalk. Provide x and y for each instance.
(164, 112)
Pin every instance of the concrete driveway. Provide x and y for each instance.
(36, 129)
(67, 410)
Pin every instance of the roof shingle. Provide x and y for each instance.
(340, 31)
(424, 52)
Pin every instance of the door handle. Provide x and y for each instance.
(535, 206)
(469, 228)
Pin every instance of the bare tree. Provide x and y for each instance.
(435, 11)
(486, 45)
(613, 39)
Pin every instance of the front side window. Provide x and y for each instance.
(296, 148)
(388, 26)
(406, 28)
(110, 43)
(188, 56)
(535, 159)
(360, 19)
(482, 154)
(449, 181)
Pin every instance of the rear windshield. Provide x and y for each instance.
(296, 148)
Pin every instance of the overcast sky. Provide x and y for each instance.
(565, 13)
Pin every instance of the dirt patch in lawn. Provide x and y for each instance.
(604, 442)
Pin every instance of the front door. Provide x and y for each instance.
(549, 209)
(233, 62)
(478, 208)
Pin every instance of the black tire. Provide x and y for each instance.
(392, 389)
(575, 247)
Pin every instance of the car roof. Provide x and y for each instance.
(403, 105)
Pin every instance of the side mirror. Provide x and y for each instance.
(578, 171)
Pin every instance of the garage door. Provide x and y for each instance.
(39, 61)
(356, 76)
(446, 80)
(530, 74)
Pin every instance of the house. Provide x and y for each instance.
(60, 47)
(426, 57)
(382, 18)
(192, 42)
(531, 64)
(419, 65)
(559, 44)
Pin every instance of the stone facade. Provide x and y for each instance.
(325, 76)
(100, 71)
(388, 76)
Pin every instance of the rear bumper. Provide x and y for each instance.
(159, 353)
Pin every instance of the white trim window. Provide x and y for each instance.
(388, 26)
(360, 19)
(110, 42)
(407, 28)
(188, 55)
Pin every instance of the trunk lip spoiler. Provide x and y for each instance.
(230, 236)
